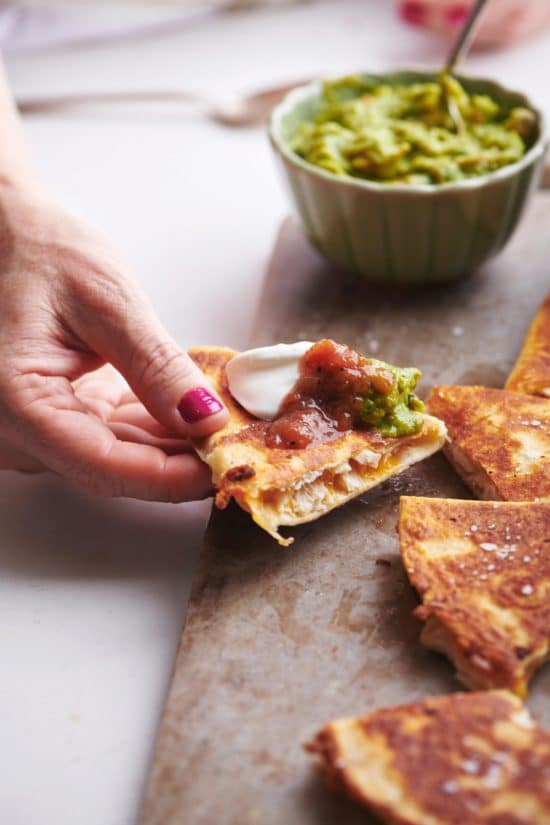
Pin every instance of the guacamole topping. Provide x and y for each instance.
(403, 133)
(398, 411)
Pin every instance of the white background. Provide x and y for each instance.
(93, 592)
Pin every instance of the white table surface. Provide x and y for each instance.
(93, 592)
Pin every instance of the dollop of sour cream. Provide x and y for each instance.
(259, 379)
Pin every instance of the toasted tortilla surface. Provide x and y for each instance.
(482, 570)
(461, 759)
(499, 441)
(294, 486)
(531, 372)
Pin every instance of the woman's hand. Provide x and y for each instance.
(69, 305)
(502, 22)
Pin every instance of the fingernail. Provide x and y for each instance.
(197, 404)
(456, 15)
(413, 11)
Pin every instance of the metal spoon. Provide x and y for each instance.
(458, 51)
(243, 110)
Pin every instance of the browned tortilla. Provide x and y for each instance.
(291, 486)
(462, 759)
(482, 570)
(531, 372)
(499, 441)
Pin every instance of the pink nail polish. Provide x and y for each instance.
(457, 14)
(197, 404)
(413, 11)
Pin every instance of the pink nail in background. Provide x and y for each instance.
(197, 404)
(413, 11)
(456, 15)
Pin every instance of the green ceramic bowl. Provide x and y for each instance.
(406, 233)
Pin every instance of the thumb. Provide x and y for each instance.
(170, 385)
(164, 378)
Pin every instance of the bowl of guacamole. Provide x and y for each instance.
(388, 185)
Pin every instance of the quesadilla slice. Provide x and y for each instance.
(462, 759)
(531, 372)
(499, 441)
(310, 458)
(482, 570)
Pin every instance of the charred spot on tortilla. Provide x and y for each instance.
(242, 473)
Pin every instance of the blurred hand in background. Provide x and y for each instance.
(503, 22)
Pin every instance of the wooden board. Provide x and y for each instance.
(278, 641)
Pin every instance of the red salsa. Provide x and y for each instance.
(329, 396)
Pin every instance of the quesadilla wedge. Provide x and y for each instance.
(281, 484)
(462, 759)
(482, 570)
(531, 372)
(499, 441)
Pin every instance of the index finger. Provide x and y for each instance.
(59, 431)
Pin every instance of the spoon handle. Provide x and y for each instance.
(68, 101)
(462, 44)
